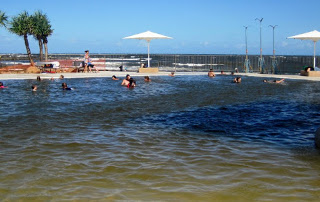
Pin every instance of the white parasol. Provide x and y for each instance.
(313, 36)
(148, 36)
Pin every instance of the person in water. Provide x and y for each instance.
(237, 80)
(38, 78)
(61, 77)
(34, 88)
(211, 73)
(273, 81)
(65, 86)
(2, 86)
(132, 83)
(147, 79)
(172, 74)
(114, 77)
(126, 81)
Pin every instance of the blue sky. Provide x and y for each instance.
(197, 27)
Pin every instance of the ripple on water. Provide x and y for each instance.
(183, 138)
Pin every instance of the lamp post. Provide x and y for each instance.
(246, 62)
(261, 60)
(274, 63)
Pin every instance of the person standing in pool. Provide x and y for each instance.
(211, 73)
(126, 81)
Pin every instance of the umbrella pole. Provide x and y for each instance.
(148, 53)
(314, 54)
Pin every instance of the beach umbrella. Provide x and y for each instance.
(148, 36)
(313, 36)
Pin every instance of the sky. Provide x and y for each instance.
(196, 26)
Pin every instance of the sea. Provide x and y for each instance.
(182, 138)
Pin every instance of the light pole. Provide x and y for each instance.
(274, 63)
(261, 60)
(246, 62)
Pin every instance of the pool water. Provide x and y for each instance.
(183, 138)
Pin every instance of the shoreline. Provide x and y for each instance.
(105, 74)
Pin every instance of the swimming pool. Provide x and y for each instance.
(177, 138)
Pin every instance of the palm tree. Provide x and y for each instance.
(47, 31)
(22, 26)
(37, 30)
(3, 19)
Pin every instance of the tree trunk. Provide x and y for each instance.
(46, 50)
(26, 42)
(40, 49)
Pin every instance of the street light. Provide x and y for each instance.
(246, 62)
(261, 60)
(274, 63)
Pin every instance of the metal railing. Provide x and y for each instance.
(184, 62)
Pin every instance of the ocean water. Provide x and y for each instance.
(183, 138)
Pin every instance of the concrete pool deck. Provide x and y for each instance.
(105, 74)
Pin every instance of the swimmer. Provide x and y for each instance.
(132, 83)
(147, 79)
(65, 87)
(222, 73)
(34, 88)
(2, 86)
(125, 81)
(237, 80)
(114, 77)
(274, 81)
(172, 74)
(38, 78)
(211, 73)
(61, 77)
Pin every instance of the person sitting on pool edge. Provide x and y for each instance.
(237, 80)
(114, 77)
(274, 81)
(65, 86)
(125, 81)
(147, 79)
(211, 73)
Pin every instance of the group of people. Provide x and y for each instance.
(129, 82)
(238, 79)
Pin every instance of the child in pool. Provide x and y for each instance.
(132, 83)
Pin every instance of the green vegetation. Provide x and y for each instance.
(3, 19)
(37, 25)
(41, 29)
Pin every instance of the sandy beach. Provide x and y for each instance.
(119, 74)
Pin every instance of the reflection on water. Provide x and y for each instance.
(183, 138)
